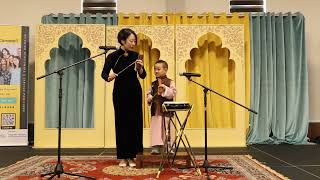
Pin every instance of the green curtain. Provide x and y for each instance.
(78, 81)
(279, 79)
(108, 19)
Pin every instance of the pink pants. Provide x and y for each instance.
(158, 130)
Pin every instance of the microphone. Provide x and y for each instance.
(188, 74)
(106, 48)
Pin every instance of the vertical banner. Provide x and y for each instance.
(14, 46)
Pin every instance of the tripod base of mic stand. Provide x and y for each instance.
(58, 170)
(207, 166)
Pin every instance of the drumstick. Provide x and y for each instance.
(159, 83)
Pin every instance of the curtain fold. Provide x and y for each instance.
(108, 19)
(218, 119)
(78, 81)
(279, 79)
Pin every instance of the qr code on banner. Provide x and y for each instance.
(8, 119)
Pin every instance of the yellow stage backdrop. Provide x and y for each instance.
(203, 19)
(217, 52)
(230, 76)
(47, 38)
(187, 43)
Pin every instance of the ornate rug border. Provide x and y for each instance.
(37, 158)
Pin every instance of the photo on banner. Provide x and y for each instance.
(14, 42)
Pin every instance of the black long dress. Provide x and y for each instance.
(127, 103)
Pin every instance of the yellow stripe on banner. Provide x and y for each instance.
(10, 35)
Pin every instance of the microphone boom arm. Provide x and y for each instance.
(66, 67)
(208, 89)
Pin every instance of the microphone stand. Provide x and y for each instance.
(206, 164)
(58, 170)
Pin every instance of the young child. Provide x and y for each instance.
(162, 89)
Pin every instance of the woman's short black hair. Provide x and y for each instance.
(124, 34)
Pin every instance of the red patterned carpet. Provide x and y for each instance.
(105, 168)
